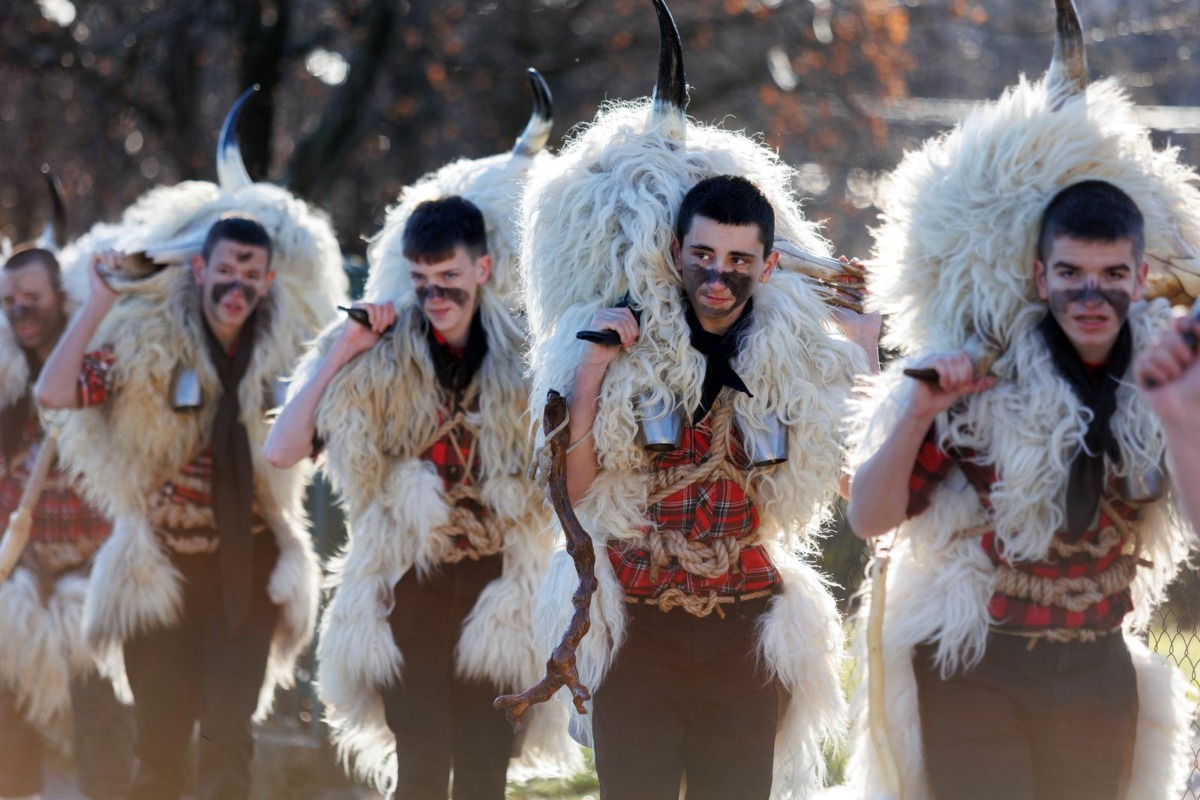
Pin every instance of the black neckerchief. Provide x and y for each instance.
(233, 474)
(719, 349)
(455, 374)
(15, 416)
(1085, 486)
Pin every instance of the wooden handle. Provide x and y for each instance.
(20, 523)
(923, 375)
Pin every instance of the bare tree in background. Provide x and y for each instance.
(361, 96)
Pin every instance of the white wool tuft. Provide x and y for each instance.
(494, 184)
(955, 252)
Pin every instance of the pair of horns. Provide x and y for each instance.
(232, 174)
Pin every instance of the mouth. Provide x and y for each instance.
(1090, 322)
(714, 300)
(26, 330)
(234, 309)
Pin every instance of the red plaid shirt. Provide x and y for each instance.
(454, 456)
(1014, 613)
(702, 512)
(181, 509)
(66, 531)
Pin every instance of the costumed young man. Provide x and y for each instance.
(1168, 373)
(1036, 528)
(47, 677)
(207, 589)
(714, 647)
(424, 421)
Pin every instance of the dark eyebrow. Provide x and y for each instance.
(742, 254)
(1069, 265)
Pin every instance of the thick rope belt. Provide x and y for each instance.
(483, 537)
(695, 604)
(1072, 593)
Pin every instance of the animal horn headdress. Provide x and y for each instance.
(494, 184)
(165, 227)
(954, 256)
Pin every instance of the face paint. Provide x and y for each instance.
(1119, 299)
(219, 290)
(739, 284)
(458, 297)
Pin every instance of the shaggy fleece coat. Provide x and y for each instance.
(44, 640)
(601, 223)
(375, 413)
(954, 257)
(124, 450)
(375, 416)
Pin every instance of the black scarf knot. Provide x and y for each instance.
(1098, 392)
(233, 474)
(719, 350)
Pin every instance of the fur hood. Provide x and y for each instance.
(961, 215)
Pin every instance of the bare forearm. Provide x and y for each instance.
(291, 437)
(879, 489)
(58, 385)
(582, 464)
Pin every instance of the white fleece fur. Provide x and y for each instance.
(376, 415)
(44, 647)
(600, 222)
(955, 256)
(124, 451)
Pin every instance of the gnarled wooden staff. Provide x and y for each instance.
(561, 668)
(20, 522)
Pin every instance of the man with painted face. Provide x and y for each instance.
(43, 678)
(694, 689)
(422, 409)
(209, 663)
(1050, 707)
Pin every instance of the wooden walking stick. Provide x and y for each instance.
(561, 669)
(12, 545)
(876, 696)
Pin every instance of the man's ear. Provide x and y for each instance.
(198, 268)
(1039, 278)
(268, 279)
(772, 261)
(677, 255)
(484, 263)
(1139, 286)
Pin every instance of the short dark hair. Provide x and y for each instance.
(27, 256)
(239, 228)
(1093, 211)
(436, 227)
(728, 200)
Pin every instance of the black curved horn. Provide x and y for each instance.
(670, 92)
(54, 235)
(1067, 75)
(231, 168)
(537, 131)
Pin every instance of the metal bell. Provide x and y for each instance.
(765, 446)
(1144, 487)
(660, 425)
(185, 389)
